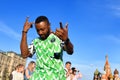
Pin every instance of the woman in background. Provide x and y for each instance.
(75, 74)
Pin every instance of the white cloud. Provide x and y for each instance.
(113, 7)
(9, 31)
(116, 10)
(115, 39)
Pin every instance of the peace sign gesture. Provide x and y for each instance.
(62, 32)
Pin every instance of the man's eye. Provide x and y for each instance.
(38, 30)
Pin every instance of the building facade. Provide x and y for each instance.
(8, 61)
(107, 73)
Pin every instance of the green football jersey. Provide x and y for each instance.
(49, 64)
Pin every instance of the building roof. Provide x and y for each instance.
(96, 72)
(6, 52)
(106, 63)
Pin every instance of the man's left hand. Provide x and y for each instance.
(62, 32)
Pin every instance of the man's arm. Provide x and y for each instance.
(68, 46)
(23, 45)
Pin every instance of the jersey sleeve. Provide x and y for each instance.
(31, 48)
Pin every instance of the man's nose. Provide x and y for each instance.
(40, 32)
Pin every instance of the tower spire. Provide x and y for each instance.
(106, 57)
(107, 68)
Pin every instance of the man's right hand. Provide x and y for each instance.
(27, 25)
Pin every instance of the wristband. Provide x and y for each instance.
(24, 31)
(67, 41)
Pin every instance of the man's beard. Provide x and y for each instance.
(44, 36)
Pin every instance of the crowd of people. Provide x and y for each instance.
(22, 73)
(72, 73)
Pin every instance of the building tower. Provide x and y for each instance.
(107, 68)
(96, 75)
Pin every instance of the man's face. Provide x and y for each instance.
(68, 66)
(43, 29)
(33, 65)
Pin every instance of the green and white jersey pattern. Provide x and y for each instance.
(49, 65)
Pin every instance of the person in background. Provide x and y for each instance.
(68, 69)
(13, 73)
(29, 70)
(48, 47)
(116, 75)
(18, 73)
(75, 75)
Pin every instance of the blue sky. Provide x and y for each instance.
(93, 29)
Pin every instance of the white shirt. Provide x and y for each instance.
(17, 75)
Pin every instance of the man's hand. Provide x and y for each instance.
(27, 25)
(62, 32)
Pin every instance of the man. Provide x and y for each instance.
(48, 48)
(29, 70)
(68, 69)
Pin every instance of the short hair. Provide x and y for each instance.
(41, 18)
(68, 62)
(31, 62)
(20, 65)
